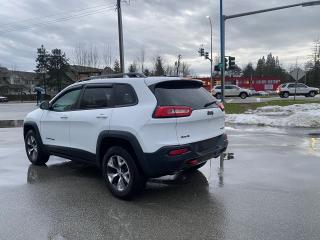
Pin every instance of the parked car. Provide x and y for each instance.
(263, 93)
(232, 91)
(3, 99)
(253, 92)
(132, 128)
(288, 89)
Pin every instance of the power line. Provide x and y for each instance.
(53, 15)
(75, 14)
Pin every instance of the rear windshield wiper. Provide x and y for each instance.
(209, 103)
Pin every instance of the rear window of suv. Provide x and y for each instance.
(183, 93)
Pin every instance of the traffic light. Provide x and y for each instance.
(226, 64)
(207, 55)
(232, 63)
(217, 68)
(201, 52)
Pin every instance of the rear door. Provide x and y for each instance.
(206, 120)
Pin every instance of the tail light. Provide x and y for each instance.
(172, 111)
(221, 106)
(178, 152)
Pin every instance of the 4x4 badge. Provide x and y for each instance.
(210, 113)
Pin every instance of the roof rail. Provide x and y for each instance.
(116, 75)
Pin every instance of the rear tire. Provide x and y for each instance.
(312, 94)
(243, 95)
(121, 174)
(285, 95)
(35, 153)
(218, 96)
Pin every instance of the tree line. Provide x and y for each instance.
(53, 67)
(270, 66)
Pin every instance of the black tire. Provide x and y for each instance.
(312, 94)
(243, 95)
(195, 168)
(285, 94)
(35, 153)
(127, 172)
(218, 96)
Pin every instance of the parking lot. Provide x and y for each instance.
(269, 191)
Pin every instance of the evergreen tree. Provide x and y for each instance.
(42, 64)
(146, 72)
(248, 70)
(261, 65)
(133, 68)
(58, 68)
(158, 67)
(116, 66)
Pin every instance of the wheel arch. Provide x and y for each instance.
(27, 126)
(124, 139)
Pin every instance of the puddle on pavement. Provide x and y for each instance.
(314, 143)
(11, 123)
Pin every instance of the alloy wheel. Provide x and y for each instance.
(118, 173)
(32, 147)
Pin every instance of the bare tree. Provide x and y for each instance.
(141, 59)
(108, 58)
(86, 56)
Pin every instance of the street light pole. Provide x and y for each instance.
(211, 60)
(223, 19)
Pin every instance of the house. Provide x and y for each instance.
(16, 82)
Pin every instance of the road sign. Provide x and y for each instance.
(297, 73)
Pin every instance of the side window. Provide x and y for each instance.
(125, 95)
(96, 97)
(67, 102)
(291, 86)
(228, 87)
(300, 85)
(219, 87)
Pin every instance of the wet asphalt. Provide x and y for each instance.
(271, 190)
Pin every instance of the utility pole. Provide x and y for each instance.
(120, 29)
(223, 53)
(211, 61)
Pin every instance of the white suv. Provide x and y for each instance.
(289, 89)
(232, 91)
(132, 128)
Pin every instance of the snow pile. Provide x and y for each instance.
(298, 115)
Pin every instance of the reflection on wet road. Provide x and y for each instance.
(269, 191)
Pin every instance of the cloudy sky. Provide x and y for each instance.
(164, 27)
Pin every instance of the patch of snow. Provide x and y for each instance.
(298, 115)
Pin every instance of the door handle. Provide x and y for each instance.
(102, 117)
(64, 117)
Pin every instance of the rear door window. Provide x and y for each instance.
(183, 93)
(95, 97)
(125, 95)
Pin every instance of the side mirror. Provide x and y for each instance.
(45, 106)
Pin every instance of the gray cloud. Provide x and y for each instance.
(163, 27)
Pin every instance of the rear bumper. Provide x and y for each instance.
(160, 163)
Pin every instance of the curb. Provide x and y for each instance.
(11, 123)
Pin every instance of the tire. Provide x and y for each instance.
(218, 96)
(285, 94)
(243, 95)
(34, 150)
(121, 173)
(312, 94)
(195, 168)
